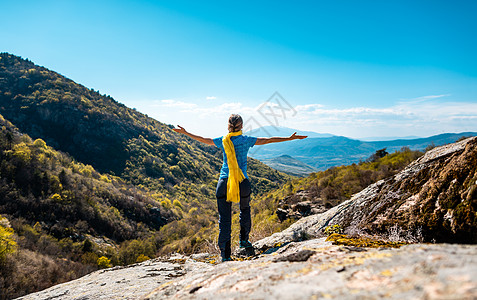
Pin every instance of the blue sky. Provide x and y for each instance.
(353, 68)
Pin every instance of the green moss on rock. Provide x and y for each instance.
(345, 240)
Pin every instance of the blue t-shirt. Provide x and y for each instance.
(242, 143)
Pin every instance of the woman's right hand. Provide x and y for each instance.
(180, 129)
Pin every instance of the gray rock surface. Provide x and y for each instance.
(301, 204)
(299, 270)
(118, 282)
(411, 272)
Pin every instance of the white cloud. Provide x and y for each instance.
(426, 98)
(421, 118)
(406, 118)
(210, 98)
(308, 107)
(354, 111)
(464, 118)
(177, 104)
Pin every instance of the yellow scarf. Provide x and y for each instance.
(235, 174)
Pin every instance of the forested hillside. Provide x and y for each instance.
(97, 130)
(322, 190)
(123, 180)
(63, 215)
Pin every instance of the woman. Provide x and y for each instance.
(233, 185)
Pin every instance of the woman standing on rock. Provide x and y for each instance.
(233, 185)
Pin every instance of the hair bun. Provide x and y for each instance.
(235, 123)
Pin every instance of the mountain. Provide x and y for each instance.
(289, 165)
(320, 153)
(323, 153)
(388, 138)
(97, 130)
(111, 183)
(322, 190)
(422, 143)
(59, 216)
(269, 131)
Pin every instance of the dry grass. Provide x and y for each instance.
(27, 272)
(397, 234)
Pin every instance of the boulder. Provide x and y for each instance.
(434, 199)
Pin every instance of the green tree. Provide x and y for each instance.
(377, 155)
(7, 242)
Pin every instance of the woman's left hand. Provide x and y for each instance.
(295, 136)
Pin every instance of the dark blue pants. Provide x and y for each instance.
(225, 214)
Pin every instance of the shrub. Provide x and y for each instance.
(89, 258)
(177, 203)
(39, 143)
(56, 197)
(7, 243)
(105, 178)
(104, 262)
(142, 258)
(22, 152)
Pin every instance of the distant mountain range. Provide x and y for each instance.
(290, 165)
(327, 151)
(388, 138)
(269, 131)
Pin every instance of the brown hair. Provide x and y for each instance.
(235, 123)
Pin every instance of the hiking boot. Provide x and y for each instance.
(245, 244)
(224, 259)
(226, 252)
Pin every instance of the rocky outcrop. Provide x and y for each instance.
(301, 204)
(434, 197)
(412, 272)
(437, 192)
(116, 283)
(299, 270)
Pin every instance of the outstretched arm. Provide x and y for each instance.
(182, 130)
(263, 141)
